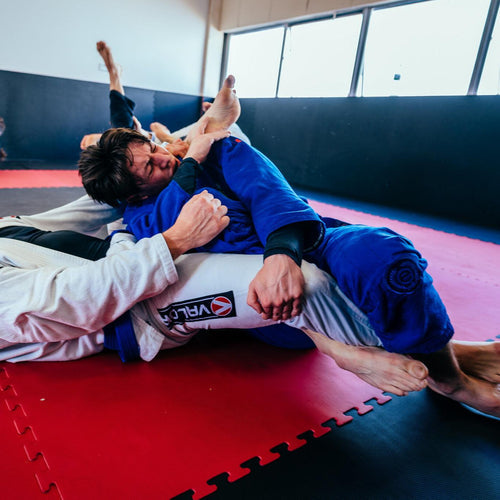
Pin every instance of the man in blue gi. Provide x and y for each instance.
(378, 270)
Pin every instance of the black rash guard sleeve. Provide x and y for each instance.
(187, 174)
(288, 240)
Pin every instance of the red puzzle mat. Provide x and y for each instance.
(39, 178)
(98, 428)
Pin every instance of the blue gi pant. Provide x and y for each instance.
(385, 276)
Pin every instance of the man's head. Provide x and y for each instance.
(125, 166)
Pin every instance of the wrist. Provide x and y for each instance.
(177, 244)
(283, 252)
(191, 158)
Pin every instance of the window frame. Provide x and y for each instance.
(360, 51)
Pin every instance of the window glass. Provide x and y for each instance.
(427, 48)
(319, 58)
(254, 59)
(490, 78)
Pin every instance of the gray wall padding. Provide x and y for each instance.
(433, 155)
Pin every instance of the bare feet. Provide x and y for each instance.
(477, 393)
(113, 70)
(479, 359)
(387, 371)
(162, 132)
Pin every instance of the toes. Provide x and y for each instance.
(418, 370)
(229, 82)
(396, 391)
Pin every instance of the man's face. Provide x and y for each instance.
(153, 166)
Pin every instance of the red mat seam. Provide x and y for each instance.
(302, 439)
(21, 423)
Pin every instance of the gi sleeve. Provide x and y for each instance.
(261, 187)
(59, 302)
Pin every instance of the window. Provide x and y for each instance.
(254, 60)
(319, 58)
(427, 48)
(414, 48)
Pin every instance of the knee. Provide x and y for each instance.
(317, 281)
(399, 264)
(404, 275)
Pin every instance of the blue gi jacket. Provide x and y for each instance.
(258, 197)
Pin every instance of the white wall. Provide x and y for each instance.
(159, 43)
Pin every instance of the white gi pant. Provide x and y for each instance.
(208, 291)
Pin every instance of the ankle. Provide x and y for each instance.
(449, 386)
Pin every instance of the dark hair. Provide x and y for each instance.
(105, 167)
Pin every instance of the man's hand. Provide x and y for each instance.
(201, 219)
(178, 148)
(200, 143)
(89, 140)
(277, 290)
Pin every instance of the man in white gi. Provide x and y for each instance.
(58, 305)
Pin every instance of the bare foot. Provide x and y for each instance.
(89, 140)
(387, 371)
(479, 359)
(162, 132)
(113, 70)
(477, 393)
(223, 112)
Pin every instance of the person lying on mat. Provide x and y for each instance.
(378, 270)
(73, 306)
(122, 113)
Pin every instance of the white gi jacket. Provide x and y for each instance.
(40, 288)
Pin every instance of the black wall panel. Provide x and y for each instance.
(176, 110)
(434, 155)
(46, 117)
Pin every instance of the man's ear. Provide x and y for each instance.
(134, 199)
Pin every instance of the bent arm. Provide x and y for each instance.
(261, 187)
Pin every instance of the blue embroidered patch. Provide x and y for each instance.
(404, 276)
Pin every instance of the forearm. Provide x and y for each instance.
(77, 297)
